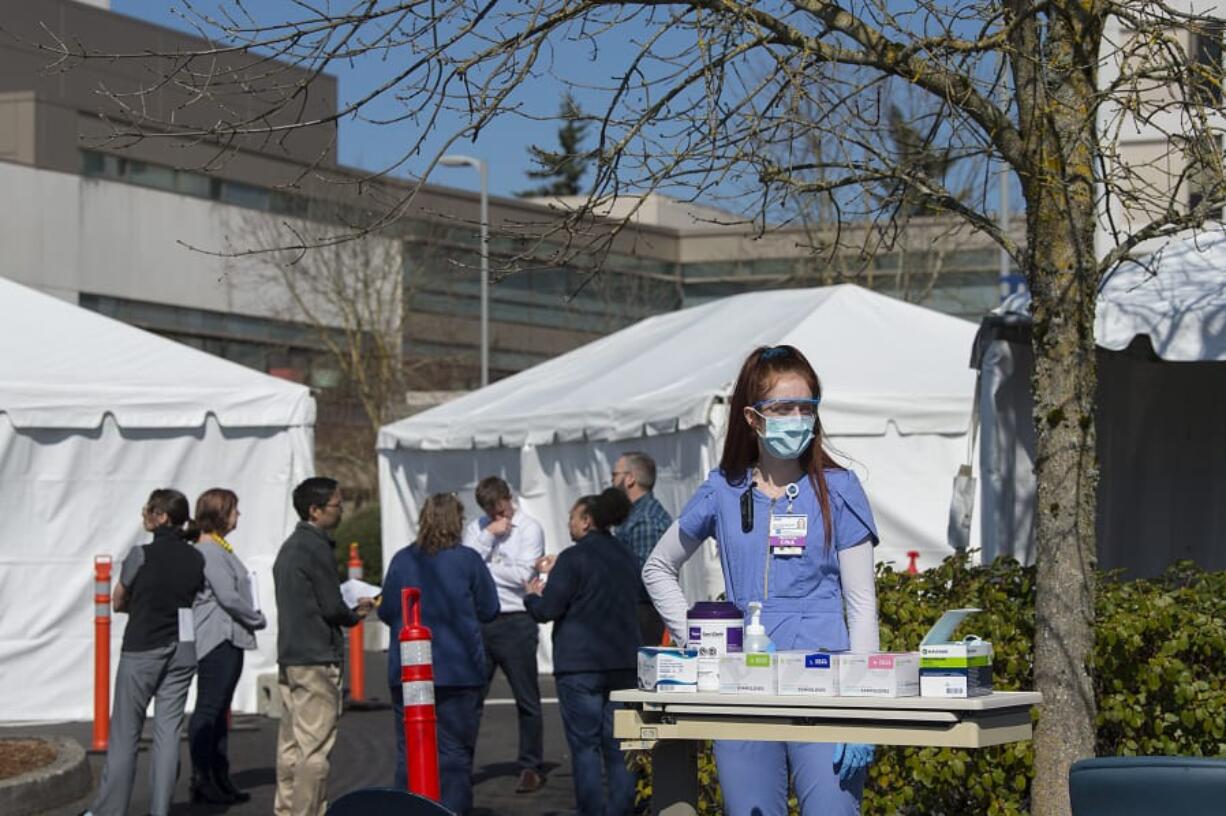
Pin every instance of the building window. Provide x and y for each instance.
(96, 164)
(1207, 68)
(244, 195)
(1205, 171)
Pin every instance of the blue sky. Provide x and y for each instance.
(503, 144)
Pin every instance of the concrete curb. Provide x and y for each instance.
(65, 780)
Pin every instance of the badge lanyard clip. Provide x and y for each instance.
(789, 530)
(792, 491)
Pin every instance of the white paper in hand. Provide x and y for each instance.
(187, 625)
(253, 583)
(353, 589)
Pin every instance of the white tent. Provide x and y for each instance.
(1160, 326)
(896, 405)
(94, 414)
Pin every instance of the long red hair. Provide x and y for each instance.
(761, 369)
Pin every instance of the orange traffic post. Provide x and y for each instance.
(417, 693)
(357, 640)
(912, 569)
(102, 652)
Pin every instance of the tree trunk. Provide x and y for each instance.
(1063, 283)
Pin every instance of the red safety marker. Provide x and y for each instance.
(357, 640)
(912, 569)
(102, 652)
(417, 686)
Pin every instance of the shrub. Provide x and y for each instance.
(1159, 674)
(362, 526)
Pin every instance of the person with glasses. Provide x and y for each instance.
(634, 474)
(796, 534)
(311, 613)
(158, 583)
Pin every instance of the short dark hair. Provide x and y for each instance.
(644, 468)
(313, 492)
(490, 491)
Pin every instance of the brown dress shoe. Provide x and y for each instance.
(529, 781)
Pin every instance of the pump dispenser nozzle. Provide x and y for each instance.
(755, 633)
(755, 626)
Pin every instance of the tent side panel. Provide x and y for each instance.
(69, 495)
(1006, 453)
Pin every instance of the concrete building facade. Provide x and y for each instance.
(155, 231)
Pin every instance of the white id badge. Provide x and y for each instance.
(187, 625)
(788, 533)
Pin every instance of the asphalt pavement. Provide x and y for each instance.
(364, 756)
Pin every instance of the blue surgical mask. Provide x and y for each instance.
(787, 437)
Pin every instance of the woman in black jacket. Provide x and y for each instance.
(157, 586)
(591, 596)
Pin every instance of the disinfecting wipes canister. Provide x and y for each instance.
(716, 628)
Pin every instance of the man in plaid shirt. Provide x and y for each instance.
(635, 474)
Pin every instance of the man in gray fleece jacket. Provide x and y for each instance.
(310, 613)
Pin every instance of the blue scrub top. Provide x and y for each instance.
(801, 595)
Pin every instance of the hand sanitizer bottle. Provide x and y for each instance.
(755, 633)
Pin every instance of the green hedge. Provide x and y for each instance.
(362, 526)
(1159, 668)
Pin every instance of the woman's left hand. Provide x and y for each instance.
(534, 587)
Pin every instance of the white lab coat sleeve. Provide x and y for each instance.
(860, 596)
(661, 577)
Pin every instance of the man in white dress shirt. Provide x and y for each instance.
(510, 541)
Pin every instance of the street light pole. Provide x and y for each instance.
(485, 274)
(482, 171)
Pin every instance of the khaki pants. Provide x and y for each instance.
(311, 697)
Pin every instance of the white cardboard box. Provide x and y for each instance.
(668, 670)
(813, 673)
(954, 668)
(747, 673)
(879, 674)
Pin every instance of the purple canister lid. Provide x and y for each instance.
(715, 610)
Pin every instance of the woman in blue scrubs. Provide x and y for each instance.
(795, 532)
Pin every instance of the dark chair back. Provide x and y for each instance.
(385, 802)
(1147, 786)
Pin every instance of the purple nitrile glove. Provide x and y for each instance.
(849, 760)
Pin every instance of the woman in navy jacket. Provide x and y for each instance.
(457, 595)
(591, 595)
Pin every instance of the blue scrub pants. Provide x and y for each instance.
(754, 779)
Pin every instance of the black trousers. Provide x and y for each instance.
(510, 645)
(217, 676)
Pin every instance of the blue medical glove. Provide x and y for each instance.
(849, 760)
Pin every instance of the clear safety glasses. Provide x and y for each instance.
(787, 407)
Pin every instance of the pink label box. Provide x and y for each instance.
(879, 674)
